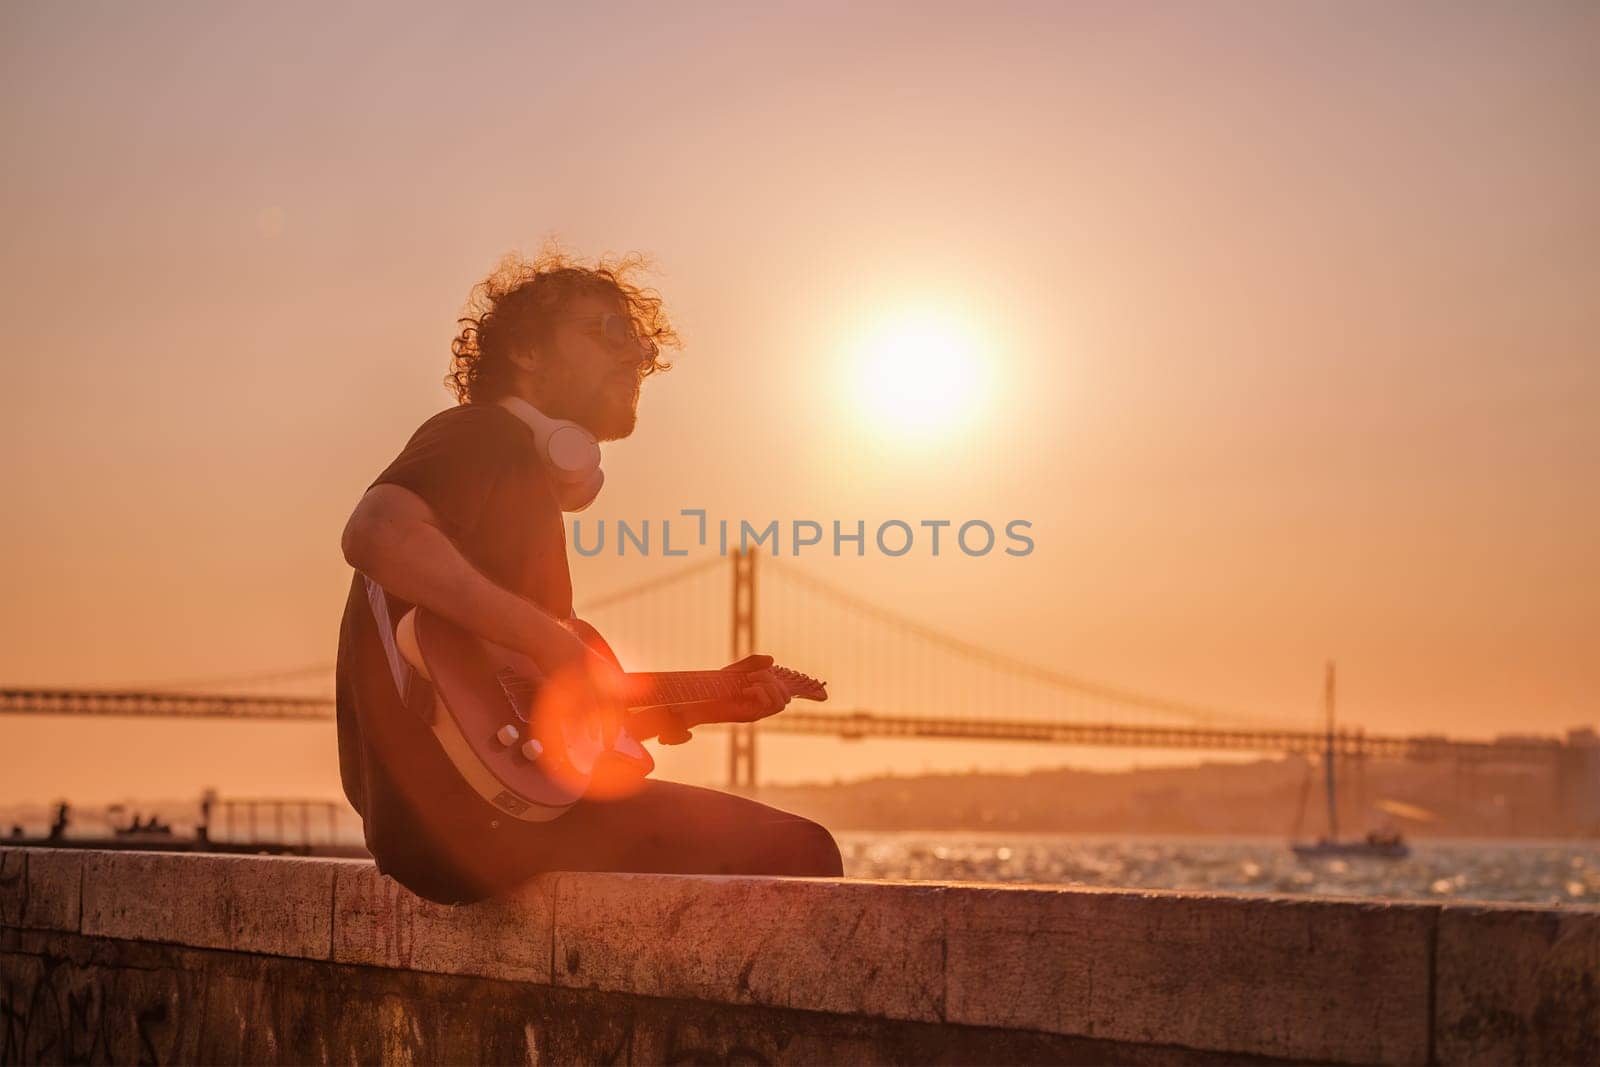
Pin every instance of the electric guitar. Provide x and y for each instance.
(526, 745)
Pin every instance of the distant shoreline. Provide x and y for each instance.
(1262, 799)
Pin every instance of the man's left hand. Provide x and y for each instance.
(763, 694)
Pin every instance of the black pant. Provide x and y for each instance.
(664, 828)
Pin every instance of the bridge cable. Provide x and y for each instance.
(997, 660)
(650, 586)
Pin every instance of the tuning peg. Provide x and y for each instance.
(507, 735)
(531, 750)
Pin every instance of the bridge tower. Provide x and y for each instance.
(742, 737)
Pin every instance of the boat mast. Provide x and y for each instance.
(1327, 757)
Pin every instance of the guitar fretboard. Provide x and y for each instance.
(683, 687)
(650, 688)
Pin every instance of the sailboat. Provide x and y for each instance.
(1377, 844)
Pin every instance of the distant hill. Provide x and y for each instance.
(1263, 797)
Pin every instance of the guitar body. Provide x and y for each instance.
(527, 744)
(514, 737)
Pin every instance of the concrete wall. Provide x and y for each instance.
(119, 957)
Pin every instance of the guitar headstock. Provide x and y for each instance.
(800, 685)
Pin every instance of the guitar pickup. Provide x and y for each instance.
(518, 691)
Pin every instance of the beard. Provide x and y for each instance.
(609, 411)
(615, 421)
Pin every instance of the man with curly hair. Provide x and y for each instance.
(466, 523)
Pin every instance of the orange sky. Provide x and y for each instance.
(1282, 313)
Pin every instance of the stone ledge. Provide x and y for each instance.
(1305, 979)
(40, 888)
(818, 944)
(379, 923)
(1308, 979)
(68, 998)
(265, 905)
(1518, 985)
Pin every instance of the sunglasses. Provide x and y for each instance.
(620, 335)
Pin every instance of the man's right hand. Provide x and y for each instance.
(588, 684)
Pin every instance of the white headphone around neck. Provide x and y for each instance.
(571, 454)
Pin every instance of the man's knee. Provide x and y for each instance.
(814, 852)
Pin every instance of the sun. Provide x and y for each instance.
(918, 375)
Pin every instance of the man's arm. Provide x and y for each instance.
(395, 539)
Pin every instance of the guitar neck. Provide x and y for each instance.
(651, 688)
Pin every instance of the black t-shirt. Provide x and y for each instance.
(478, 468)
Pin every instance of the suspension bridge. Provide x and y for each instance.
(889, 676)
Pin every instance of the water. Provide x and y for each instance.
(1540, 872)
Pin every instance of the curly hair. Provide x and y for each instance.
(514, 307)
